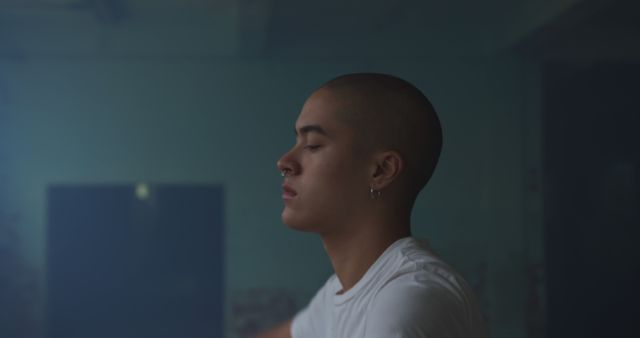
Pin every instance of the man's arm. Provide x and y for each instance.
(282, 330)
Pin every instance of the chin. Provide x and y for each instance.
(296, 222)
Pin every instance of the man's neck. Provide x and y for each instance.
(353, 253)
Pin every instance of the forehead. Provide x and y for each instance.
(323, 109)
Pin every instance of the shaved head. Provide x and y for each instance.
(388, 113)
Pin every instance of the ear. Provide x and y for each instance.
(387, 167)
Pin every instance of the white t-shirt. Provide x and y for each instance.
(408, 292)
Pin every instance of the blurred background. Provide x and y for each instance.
(138, 138)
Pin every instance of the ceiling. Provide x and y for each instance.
(220, 28)
(595, 30)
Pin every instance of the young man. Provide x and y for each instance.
(366, 144)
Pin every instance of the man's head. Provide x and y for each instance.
(374, 131)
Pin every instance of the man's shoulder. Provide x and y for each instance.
(425, 295)
(419, 266)
(423, 281)
(424, 304)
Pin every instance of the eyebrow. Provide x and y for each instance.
(312, 128)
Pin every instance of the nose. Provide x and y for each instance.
(288, 165)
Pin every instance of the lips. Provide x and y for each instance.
(288, 192)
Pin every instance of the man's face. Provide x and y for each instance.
(326, 177)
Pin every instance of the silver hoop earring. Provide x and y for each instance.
(374, 194)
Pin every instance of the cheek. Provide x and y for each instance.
(346, 175)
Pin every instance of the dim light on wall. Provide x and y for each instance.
(142, 191)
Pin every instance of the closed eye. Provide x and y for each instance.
(312, 147)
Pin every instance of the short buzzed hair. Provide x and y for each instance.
(389, 113)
